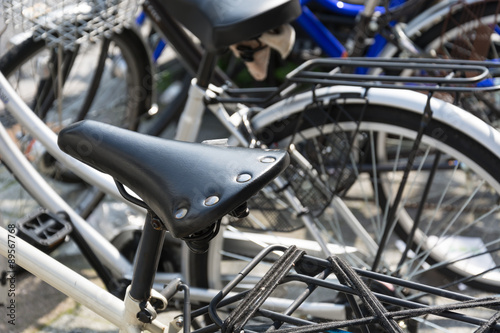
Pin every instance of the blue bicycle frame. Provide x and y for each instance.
(317, 31)
(314, 28)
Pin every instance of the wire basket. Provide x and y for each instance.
(68, 22)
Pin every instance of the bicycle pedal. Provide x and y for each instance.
(44, 230)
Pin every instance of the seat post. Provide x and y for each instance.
(146, 262)
(206, 69)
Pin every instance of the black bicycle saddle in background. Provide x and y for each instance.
(219, 23)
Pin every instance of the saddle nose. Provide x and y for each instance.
(188, 186)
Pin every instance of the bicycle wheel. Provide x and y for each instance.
(348, 160)
(93, 73)
(467, 31)
(109, 81)
(172, 82)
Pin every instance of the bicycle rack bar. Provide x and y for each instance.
(313, 272)
(448, 75)
(329, 72)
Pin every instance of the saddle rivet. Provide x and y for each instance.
(243, 178)
(212, 200)
(156, 224)
(267, 159)
(180, 213)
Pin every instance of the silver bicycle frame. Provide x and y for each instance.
(46, 196)
(123, 314)
(187, 131)
(37, 186)
(41, 191)
(74, 285)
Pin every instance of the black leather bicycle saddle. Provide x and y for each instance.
(220, 23)
(205, 182)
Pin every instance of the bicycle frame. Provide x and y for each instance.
(191, 56)
(72, 284)
(334, 48)
(51, 269)
(123, 314)
(311, 25)
(325, 39)
(320, 34)
(188, 130)
(110, 255)
(65, 280)
(425, 20)
(28, 176)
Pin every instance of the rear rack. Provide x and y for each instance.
(432, 75)
(381, 309)
(447, 75)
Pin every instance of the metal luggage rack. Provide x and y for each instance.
(431, 75)
(445, 75)
(68, 22)
(248, 312)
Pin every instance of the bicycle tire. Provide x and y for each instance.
(173, 81)
(136, 61)
(467, 31)
(469, 34)
(454, 140)
(27, 66)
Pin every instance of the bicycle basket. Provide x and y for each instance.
(268, 212)
(68, 22)
(319, 169)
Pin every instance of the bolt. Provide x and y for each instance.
(373, 26)
(144, 316)
(179, 321)
(156, 223)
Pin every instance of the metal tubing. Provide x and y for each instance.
(343, 8)
(175, 34)
(146, 263)
(322, 36)
(319, 309)
(37, 187)
(63, 279)
(189, 53)
(48, 198)
(25, 116)
(73, 284)
(207, 66)
(191, 117)
(187, 307)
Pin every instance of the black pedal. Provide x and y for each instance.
(44, 230)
